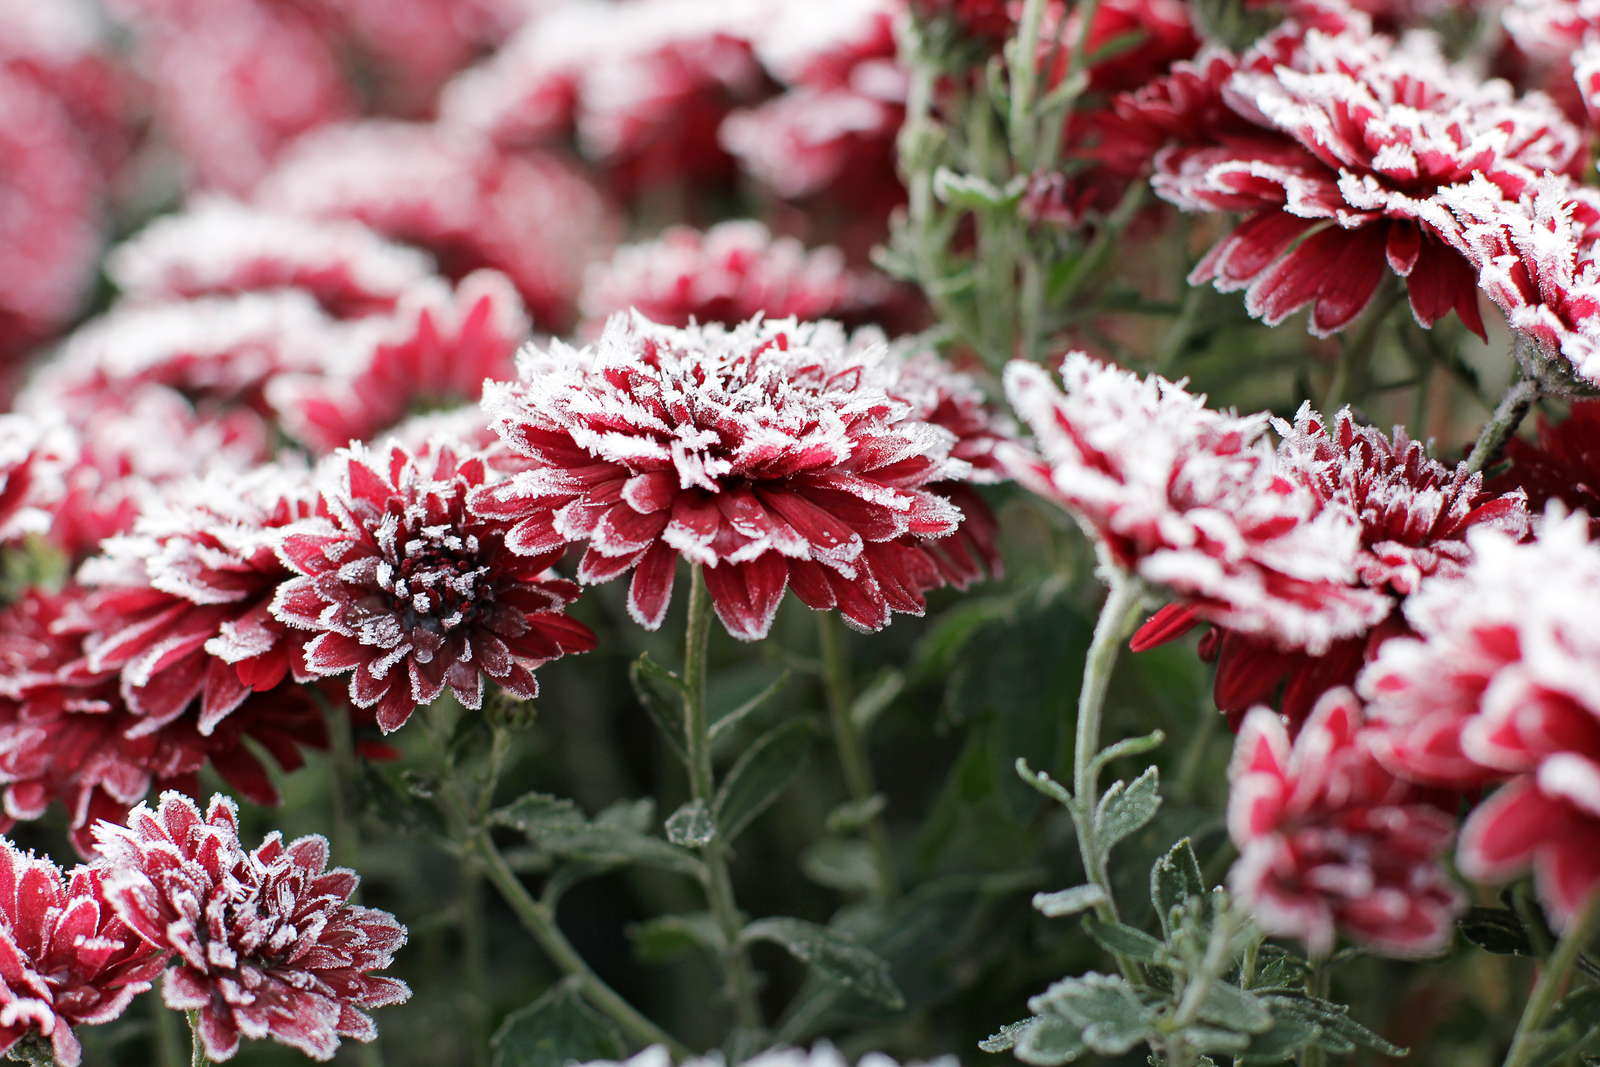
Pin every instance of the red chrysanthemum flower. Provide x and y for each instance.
(1192, 500)
(267, 942)
(1330, 842)
(768, 454)
(403, 586)
(179, 609)
(1563, 464)
(1500, 684)
(1413, 514)
(236, 81)
(33, 457)
(67, 737)
(730, 273)
(219, 247)
(1551, 31)
(534, 218)
(434, 351)
(66, 959)
(1355, 136)
(1538, 256)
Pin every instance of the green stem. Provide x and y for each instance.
(197, 1047)
(342, 774)
(1508, 415)
(541, 923)
(1118, 617)
(852, 752)
(1319, 983)
(1551, 981)
(702, 787)
(475, 953)
(1024, 82)
(169, 1039)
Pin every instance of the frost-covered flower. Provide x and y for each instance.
(220, 246)
(730, 273)
(1354, 137)
(822, 1055)
(1330, 842)
(1498, 684)
(532, 217)
(1193, 500)
(267, 943)
(33, 456)
(1562, 464)
(179, 609)
(405, 588)
(768, 454)
(1551, 30)
(66, 959)
(1537, 255)
(1413, 514)
(67, 737)
(435, 350)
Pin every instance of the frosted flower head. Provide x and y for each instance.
(1354, 136)
(1550, 30)
(1562, 464)
(532, 217)
(434, 350)
(179, 610)
(66, 959)
(730, 273)
(404, 588)
(1330, 842)
(220, 246)
(768, 454)
(266, 941)
(33, 458)
(1499, 685)
(1191, 499)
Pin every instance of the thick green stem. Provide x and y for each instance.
(852, 752)
(197, 1047)
(1022, 125)
(1508, 415)
(168, 1038)
(475, 961)
(1551, 981)
(1118, 617)
(702, 787)
(541, 923)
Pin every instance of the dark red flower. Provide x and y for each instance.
(1330, 842)
(405, 588)
(1192, 500)
(219, 246)
(1563, 464)
(434, 351)
(1354, 137)
(532, 217)
(1413, 514)
(66, 959)
(730, 273)
(768, 454)
(267, 943)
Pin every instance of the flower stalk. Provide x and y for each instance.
(1551, 982)
(852, 751)
(197, 1047)
(1508, 415)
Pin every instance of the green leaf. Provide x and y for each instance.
(766, 769)
(1005, 1038)
(854, 814)
(1175, 878)
(1068, 901)
(1212, 1039)
(1044, 784)
(1130, 746)
(537, 814)
(1334, 1021)
(1050, 1040)
(1104, 1006)
(727, 722)
(847, 866)
(833, 956)
(1125, 808)
(1124, 939)
(661, 693)
(876, 696)
(972, 192)
(691, 825)
(555, 1030)
(666, 937)
(1228, 1006)
(1496, 930)
(1279, 969)
(556, 826)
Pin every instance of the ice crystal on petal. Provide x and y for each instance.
(768, 453)
(1193, 500)
(400, 585)
(66, 959)
(1331, 842)
(266, 941)
(1499, 684)
(220, 246)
